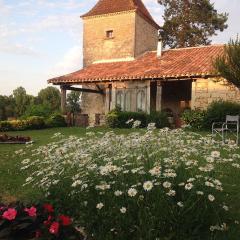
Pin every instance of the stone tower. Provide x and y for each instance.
(118, 30)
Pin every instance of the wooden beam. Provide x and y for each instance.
(82, 89)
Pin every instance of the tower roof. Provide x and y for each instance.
(115, 6)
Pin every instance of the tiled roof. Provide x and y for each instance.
(175, 63)
(114, 6)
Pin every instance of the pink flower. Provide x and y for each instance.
(48, 207)
(48, 221)
(10, 214)
(54, 228)
(65, 220)
(32, 212)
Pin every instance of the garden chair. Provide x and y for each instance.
(231, 125)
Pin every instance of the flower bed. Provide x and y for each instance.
(14, 139)
(154, 184)
(18, 222)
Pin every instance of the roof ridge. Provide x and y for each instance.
(103, 7)
(203, 46)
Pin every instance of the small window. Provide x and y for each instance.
(109, 34)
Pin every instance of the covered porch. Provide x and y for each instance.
(172, 96)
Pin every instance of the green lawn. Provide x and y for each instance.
(11, 176)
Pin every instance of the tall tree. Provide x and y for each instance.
(22, 100)
(228, 64)
(190, 23)
(6, 107)
(50, 97)
(73, 103)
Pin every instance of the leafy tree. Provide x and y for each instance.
(22, 100)
(228, 64)
(191, 22)
(73, 103)
(6, 107)
(39, 110)
(51, 97)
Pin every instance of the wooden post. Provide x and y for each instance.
(107, 100)
(148, 107)
(159, 97)
(63, 99)
(113, 102)
(193, 99)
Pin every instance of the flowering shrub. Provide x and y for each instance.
(160, 184)
(38, 222)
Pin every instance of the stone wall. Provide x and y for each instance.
(146, 36)
(132, 36)
(92, 104)
(97, 47)
(205, 91)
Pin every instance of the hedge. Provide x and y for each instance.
(34, 122)
(216, 112)
(119, 119)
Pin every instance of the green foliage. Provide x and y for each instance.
(38, 110)
(56, 120)
(217, 111)
(159, 118)
(7, 108)
(194, 118)
(50, 97)
(73, 102)
(21, 100)
(191, 22)
(5, 126)
(228, 65)
(35, 122)
(119, 119)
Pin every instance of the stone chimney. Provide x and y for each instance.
(160, 45)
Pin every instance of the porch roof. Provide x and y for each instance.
(174, 63)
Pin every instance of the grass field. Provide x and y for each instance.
(11, 177)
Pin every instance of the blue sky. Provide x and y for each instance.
(40, 39)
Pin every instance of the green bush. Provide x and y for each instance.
(159, 118)
(19, 125)
(56, 120)
(194, 118)
(5, 126)
(217, 111)
(119, 119)
(35, 122)
(39, 110)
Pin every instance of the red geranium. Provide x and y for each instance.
(32, 212)
(54, 228)
(65, 220)
(10, 214)
(48, 207)
(48, 221)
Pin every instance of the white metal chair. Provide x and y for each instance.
(230, 125)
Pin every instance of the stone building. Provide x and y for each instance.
(124, 65)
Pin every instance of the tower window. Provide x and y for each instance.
(109, 34)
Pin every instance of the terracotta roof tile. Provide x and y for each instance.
(115, 6)
(175, 63)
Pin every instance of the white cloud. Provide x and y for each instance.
(17, 48)
(71, 61)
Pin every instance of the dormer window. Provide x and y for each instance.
(109, 34)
